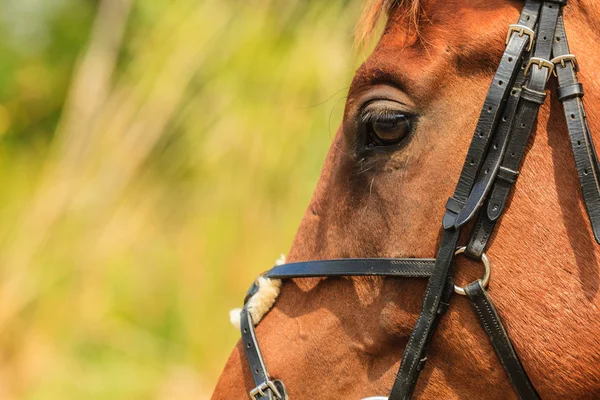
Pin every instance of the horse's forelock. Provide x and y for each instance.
(375, 10)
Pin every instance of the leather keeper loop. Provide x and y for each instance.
(533, 95)
(507, 175)
(569, 92)
(454, 205)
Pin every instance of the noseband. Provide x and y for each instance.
(536, 49)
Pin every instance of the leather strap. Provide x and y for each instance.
(491, 112)
(532, 96)
(265, 389)
(570, 93)
(492, 325)
(491, 167)
(439, 288)
(394, 267)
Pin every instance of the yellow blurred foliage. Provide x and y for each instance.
(187, 149)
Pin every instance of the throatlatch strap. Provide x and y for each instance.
(492, 325)
(438, 291)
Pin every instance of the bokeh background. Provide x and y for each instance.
(155, 156)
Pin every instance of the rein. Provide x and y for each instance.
(536, 49)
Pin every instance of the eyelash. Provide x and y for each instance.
(382, 115)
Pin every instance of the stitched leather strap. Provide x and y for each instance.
(532, 97)
(265, 389)
(491, 112)
(491, 167)
(394, 267)
(492, 325)
(439, 286)
(586, 159)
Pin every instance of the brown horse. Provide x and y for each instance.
(343, 338)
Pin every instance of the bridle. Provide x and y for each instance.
(536, 48)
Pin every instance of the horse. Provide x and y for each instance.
(409, 117)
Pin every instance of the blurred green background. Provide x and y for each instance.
(155, 156)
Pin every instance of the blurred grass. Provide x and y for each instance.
(154, 157)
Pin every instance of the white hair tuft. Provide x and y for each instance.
(262, 301)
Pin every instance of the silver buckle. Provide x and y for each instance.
(562, 61)
(540, 62)
(521, 30)
(259, 390)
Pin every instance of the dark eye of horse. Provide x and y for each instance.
(386, 129)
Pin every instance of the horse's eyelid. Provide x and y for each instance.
(374, 115)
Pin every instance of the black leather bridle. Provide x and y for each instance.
(536, 48)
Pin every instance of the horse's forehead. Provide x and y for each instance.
(447, 37)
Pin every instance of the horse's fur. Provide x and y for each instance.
(343, 338)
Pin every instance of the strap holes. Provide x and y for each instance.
(487, 171)
(586, 171)
(495, 146)
(527, 17)
(480, 134)
(579, 143)
(572, 116)
(557, 39)
(522, 125)
(489, 109)
(245, 330)
(256, 371)
(472, 162)
(248, 345)
(505, 118)
(500, 83)
(545, 38)
(513, 92)
(510, 59)
(512, 154)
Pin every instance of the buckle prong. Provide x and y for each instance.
(260, 390)
(521, 30)
(562, 61)
(540, 62)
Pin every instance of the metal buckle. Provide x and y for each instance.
(521, 30)
(259, 390)
(562, 61)
(540, 62)
(486, 276)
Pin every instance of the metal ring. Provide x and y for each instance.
(486, 276)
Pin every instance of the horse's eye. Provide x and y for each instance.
(386, 128)
(390, 129)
